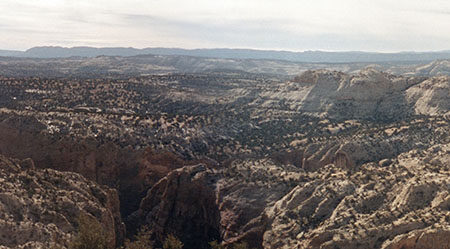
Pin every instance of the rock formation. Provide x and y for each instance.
(326, 160)
(369, 94)
(40, 207)
(401, 205)
(182, 203)
(130, 171)
(430, 97)
(397, 202)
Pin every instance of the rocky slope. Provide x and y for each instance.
(404, 204)
(328, 159)
(369, 94)
(126, 66)
(39, 208)
(130, 171)
(430, 97)
(435, 68)
(394, 203)
(181, 203)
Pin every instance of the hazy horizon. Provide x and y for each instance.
(231, 48)
(325, 25)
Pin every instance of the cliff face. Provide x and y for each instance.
(184, 204)
(129, 170)
(397, 203)
(40, 207)
(244, 200)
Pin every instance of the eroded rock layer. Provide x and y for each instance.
(405, 204)
(39, 208)
(184, 204)
(326, 160)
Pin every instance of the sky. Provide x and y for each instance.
(296, 25)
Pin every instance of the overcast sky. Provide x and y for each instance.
(333, 25)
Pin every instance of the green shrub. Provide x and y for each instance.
(172, 242)
(242, 245)
(91, 234)
(141, 240)
(216, 245)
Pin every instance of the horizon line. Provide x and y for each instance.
(235, 48)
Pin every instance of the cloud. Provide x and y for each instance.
(377, 25)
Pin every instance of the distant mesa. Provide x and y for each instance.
(307, 56)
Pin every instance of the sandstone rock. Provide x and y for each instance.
(40, 207)
(269, 205)
(384, 162)
(131, 171)
(402, 205)
(369, 94)
(435, 68)
(245, 190)
(425, 239)
(431, 96)
(182, 203)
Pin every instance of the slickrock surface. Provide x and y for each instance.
(368, 94)
(435, 68)
(431, 97)
(39, 207)
(405, 204)
(245, 189)
(396, 203)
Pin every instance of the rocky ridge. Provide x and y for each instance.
(404, 204)
(399, 203)
(325, 160)
(429, 97)
(370, 94)
(181, 203)
(40, 207)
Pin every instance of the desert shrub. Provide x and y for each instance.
(242, 245)
(141, 240)
(172, 242)
(91, 234)
(56, 243)
(216, 245)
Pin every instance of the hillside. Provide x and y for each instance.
(224, 53)
(317, 159)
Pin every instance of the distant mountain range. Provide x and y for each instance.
(307, 56)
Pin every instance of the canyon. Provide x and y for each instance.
(350, 156)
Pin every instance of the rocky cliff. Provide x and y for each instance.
(40, 207)
(182, 203)
(394, 203)
(128, 170)
(404, 204)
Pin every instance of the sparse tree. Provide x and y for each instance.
(141, 240)
(91, 234)
(216, 245)
(242, 245)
